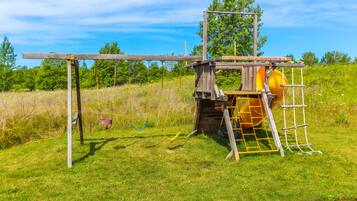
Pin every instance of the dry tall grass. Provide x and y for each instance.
(27, 116)
(330, 96)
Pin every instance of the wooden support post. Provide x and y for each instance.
(268, 111)
(204, 35)
(79, 101)
(198, 115)
(232, 139)
(69, 114)
(255, 36)
(255, 52)
(162, 74)
(272, 124)
(115, 73)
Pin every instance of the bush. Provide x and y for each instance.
(309, 58)
(335, 57)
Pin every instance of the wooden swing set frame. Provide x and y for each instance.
(248, 66)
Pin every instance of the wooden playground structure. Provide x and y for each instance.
(239, 114)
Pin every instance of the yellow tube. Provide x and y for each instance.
(275, 82)
(255, 114)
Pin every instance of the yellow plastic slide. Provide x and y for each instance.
(275, 82)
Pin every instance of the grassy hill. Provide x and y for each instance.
(125, 164)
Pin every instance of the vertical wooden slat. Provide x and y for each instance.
(199, 78)
(79, 102)
(69, 114)
(213, 82)
(208, 78)
(245, 79)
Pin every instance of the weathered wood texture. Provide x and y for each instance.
(230, 132)
(228, 12)
(253, 71)
(149, 57)
(272, 124)
(265, 61)
(204, 35)
(109, 57)
(253, 58)
(79, 101)
(69, 114)
(209, 115)
(205, 81)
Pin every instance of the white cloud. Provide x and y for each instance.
(51, 21)
(297, 13)
(28, 21)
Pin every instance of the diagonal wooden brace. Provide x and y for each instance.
(232, 140)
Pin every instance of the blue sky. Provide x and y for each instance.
(161, 26)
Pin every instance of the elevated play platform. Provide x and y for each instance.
(245, 115)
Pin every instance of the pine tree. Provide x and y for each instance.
(7, 64)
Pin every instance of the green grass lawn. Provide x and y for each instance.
(130, 165)
(123, 164)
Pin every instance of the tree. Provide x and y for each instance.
(24, 78)
(335, 57)
(291, 56)
(228, 31)
(7, 53)
(52, 75)
(154, 72)
(355, 61)
(138, 72)
(345, 59)
(7, 64)
(309, 58)
(87, 76)
(106, 72)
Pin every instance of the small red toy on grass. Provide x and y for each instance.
(106, 123)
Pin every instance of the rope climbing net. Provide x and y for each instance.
(293, 105)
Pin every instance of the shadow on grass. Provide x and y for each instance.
(95, 144)
(223, 140)
(147, 136)
(101, 142)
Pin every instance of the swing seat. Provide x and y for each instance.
(141, 128)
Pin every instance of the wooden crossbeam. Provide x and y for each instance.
(241, 65)
(109, 57)
(228, 12)
(252, 58)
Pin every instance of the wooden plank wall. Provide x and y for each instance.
(205, 81)
(209, 116)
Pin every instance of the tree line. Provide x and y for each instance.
(51, 74)
(329, 58)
